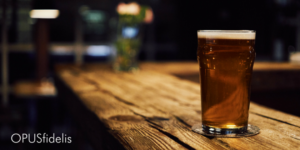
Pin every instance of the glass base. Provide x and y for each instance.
(249, 130)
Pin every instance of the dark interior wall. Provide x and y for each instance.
(177, 22)
(260, 15)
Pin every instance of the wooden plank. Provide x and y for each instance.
(154, 95)
(127, 126)
(179, 109)
(274, 114)
(285, 127)
(109, 110)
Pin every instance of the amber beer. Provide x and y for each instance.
(226, 61)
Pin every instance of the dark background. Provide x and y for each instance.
(175, 25)
(172, 36)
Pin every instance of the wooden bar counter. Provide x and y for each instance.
(152, 109)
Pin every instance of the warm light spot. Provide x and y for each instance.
(130, 9)
(213, 57)
(44, 13)
(231, 126)
(149, 16)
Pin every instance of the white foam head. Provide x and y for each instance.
(227, 34)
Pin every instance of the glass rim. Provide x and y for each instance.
(227, 31)
(227, 34)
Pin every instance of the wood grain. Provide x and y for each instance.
(152, 110)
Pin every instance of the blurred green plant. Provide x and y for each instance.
(130, 15)
(127, 50)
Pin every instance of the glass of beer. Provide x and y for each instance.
(225, 60)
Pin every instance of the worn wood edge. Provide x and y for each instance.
(86, 120)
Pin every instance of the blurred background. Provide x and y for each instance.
(84, 31)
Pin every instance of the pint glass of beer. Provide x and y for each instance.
(225, 60)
